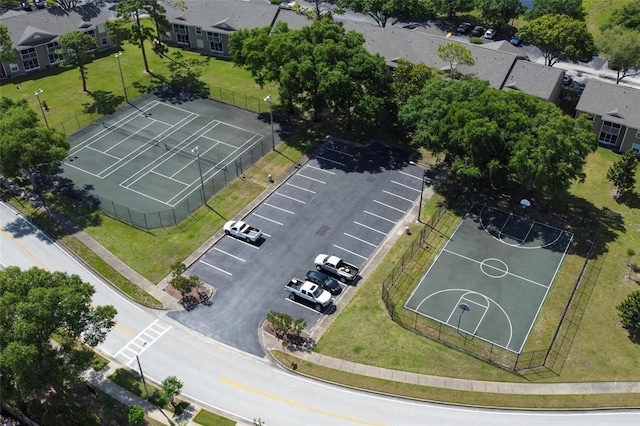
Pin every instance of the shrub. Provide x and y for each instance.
(136, 415)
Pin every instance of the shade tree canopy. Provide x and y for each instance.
(6, 46)
(76, 50)
(621, 47)
(455, 54)
(623, 174)
(627, 16)
(450, 8)
(571, 8)
(383, 10)
(497, 13)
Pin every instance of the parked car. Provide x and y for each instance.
(40, 4)
(477, 31)
(464, 27)
(490, 34)
(324, 281)
(26, 6)
(515, 40)
(567, 80)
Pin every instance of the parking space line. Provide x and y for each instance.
(370, 228)
(291, 198)
(266, 218)
(380, 217)
(410, 175)
(387, 205)
(302, 305)
(266, 235)
(278, 208)
(406, 186)
(320, 169)
(340, 152)
(215, 267)
(330, 160)
(313, 179)
(229, 254)
(398, 196)
(350, 252)
(360, 239)
(301, 188)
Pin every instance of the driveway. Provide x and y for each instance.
(344, 201)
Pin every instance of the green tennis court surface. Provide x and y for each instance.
(491, 278)
(157, 154)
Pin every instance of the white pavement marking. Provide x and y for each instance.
(340, 152)
(310, 178)
(291, 198)
(266, 218)
(399, 196)
(301, 188)
(360, 239)
(143, 341)
(320, 169)
(350, 252)
(279, 208)
(380, 217)
(370, 228)
(216, 268)
(388, 206)
(229, 254)
(330, 160)
(410, 175)
(406, 186)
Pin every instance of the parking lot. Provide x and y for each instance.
(344, 201)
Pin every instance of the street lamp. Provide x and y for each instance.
(424, 179)
(37, 93)
(144, 382)
(273, 140)
(124, 87)
(196, 151)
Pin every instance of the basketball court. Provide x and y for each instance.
(491, 278)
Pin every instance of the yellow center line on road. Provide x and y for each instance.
(294, 403)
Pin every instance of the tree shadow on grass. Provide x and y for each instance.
(104, 103)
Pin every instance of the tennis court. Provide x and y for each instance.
(491, 278)
(157, 154)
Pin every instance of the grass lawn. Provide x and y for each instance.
(207, 418)
(599, 12)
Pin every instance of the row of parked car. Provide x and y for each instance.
(480, 31)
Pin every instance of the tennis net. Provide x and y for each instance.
(215, 164)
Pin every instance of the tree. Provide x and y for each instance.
(66, 4)
(571, 8)
(627, 16)
(171, 387)
(136, 415)
(623, 173)
(629, 311)
(6, 46)
(452, 7)
(408, 79)
(76, 48)
(129, 9)
(36, 306)
(559, 37)
(455, 54)
(283, 324)
(382, 10)
(27, 148)
(621, 47)
(497, 13)
(180, 282)
(319, 9)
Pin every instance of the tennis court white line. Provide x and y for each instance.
(360, 239)
(301, 188)
(380, 217)
(388, 206)
(291, 198)
(398, 196)
(167, 177)
(349, 251)
(340, 152)
(330, 160)
(370, 228)
(215, 267)
(406, 186)
(320, 169)
(489, 266)
(216, 141)
(103, 152)
(278, 208)
(81, 169)
(229, 254)
(411, 175)
(310, 178)
(266, 218)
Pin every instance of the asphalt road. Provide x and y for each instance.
(246, 386)
(344, 201)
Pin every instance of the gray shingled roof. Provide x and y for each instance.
(614, 103)
(45, 25)
(225, 16)
(534, 79)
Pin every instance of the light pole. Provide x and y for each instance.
(424, 178)
(273, 140)
(144, 382)
(196, 151)
(124, 87)
(37, 93)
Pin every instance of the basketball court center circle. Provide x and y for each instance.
(499, 271)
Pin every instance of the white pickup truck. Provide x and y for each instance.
(336, 266)
(243, 231)
(309, 292)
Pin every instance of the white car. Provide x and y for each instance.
(242, 231)
(490, 34)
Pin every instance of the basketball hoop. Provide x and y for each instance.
(525, 203)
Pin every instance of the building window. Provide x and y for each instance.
(182, 39)
(167, 35)
(636, 148)
(30, 59)
(215, 42)
(198, 31)
(200, 43)
(14, 68)
(104, 41)
(609, 133)
(52, 49)
(102, 28)
(638, 134)
(180, 29)
(92, 33)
